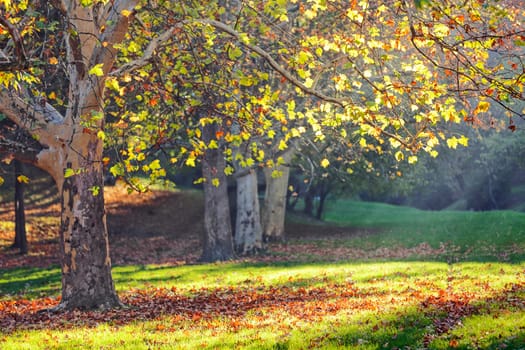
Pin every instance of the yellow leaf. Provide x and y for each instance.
(452, 142)
(53, 60)
(229, 170)
(325, 163)
(399, 156)
(22, 179)
(112, 83)
(191, 160)
(412, 159)
(125, 13)
(215, 182)
(483, 106)
(308, 82)
(68, 173)
(97, 70)
(463, 140)
(213, 144)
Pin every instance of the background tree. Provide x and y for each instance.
(386, 71)
(20, 218)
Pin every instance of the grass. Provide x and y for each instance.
(467, 235)
(476, 289)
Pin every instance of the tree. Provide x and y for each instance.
(274, 205)
(20, 218)
(359, 64)
(388, 73)
(67, 121)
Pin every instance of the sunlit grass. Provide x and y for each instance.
(481, 260)
(388, 314)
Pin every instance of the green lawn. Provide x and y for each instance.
(474, 298)
(479, 236)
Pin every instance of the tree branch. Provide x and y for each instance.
(148, 53)
(42, 121)
(20, 61)
(114, 33)
(342, 102)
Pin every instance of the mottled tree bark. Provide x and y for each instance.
(217, 242)
(86, 264)
(274, 206)
(248, 230)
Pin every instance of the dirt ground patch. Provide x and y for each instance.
(164, 227)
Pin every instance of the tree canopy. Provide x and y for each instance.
(233, 82)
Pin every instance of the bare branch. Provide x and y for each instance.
(148, 53)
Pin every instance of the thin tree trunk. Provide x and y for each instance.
(218, 242)
(308, 202)
(323, 194)
(274, 208)
(248, 231)
(20, 219)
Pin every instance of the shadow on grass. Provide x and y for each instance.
(34, 282)
(30, 282)
(426, 321)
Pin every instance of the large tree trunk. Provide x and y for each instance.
(218, 242)
(248, 231)
(68, 140)
(275, 200)
(20, 217)
(274, 207)
(86, 264)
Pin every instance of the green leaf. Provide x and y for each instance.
(95, 190)
(117, 170)
(234, 54)
(421, 3)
